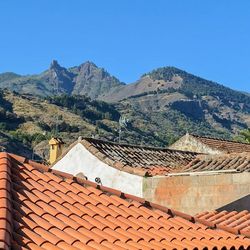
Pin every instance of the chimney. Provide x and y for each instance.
(56, 145)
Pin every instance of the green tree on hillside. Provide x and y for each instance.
(246, 134)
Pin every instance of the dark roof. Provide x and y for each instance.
(43, 209)
(226, 146)
(139, 159)
(234, 161)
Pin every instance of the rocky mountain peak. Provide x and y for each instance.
(93, 81)
(89, 64)
(58, 78)
(87, 68)
(55, 65)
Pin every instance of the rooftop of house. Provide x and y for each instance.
(238, 221)
(226, 146)
(139, 160)
(150, 161)
(234, 161)
(42, 208)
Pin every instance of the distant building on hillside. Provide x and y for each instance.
(209, 145)
(187, 181)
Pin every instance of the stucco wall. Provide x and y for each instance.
(189, 143)
(197, 193)
(80, 160)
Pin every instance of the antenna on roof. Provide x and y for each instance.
(122, 124)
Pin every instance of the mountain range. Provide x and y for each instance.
(159, 107)
(86, 79)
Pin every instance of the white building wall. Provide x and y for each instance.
(80, 160)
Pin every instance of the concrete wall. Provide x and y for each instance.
(79, 160)
(197, 193)
(189, 143)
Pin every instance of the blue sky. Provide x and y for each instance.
(129, 37)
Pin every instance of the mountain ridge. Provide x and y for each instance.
(95, 82)
(60, 80)
(162, 105)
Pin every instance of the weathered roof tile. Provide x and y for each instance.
(137, 159)
(226, 146)
(234, 161)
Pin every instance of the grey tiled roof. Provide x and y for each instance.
(137, 159)
(233, 161)
(224, 145)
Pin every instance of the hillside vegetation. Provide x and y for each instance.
(32, 121)
(87, 101)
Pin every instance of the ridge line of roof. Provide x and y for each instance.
(122, 195)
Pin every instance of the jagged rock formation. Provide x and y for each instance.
(86, 79)
(60, 79)
(93, 81)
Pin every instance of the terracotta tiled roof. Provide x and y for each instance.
(239, 162)
(239, 221)
(224, 145)
(42, 208)
(139, 160)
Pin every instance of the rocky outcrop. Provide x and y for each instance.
(191, 108)
(86, 79)
(93, 81)
(59, 78)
